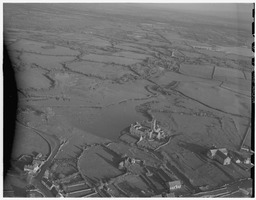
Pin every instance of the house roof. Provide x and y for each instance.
(28, 167)
(223, 150)
(221, 155)
(36, 162)
(173, 183)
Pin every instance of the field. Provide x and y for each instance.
(197, 70)
(102, 165)
(85, 73)
(28, 142)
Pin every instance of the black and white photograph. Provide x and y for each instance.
(119, 99)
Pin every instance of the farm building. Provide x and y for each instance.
(212, 152)
(138, 131)
(221, 155)
(75, 187)
(222, 158)
(174, 185)
(81, 193)
(32, 169)
(36, 165)
(155, 132)
(40, 156)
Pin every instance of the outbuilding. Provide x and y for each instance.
(222, 158)
(174, 185)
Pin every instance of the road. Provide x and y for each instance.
(54, 144)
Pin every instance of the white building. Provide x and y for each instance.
(174, 185)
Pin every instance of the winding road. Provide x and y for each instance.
(54, 145)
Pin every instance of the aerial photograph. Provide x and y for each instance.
(128, 100)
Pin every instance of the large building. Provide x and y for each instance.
(155, 132)
(222, 158)
(212, 152)
(221, 155)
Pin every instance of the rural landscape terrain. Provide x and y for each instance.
(129, 100)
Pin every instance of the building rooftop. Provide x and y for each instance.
(80, 193)
(220, 154)
(36, 162)
(223, 150)
(173, 183)
(28, 167)
(76, 187)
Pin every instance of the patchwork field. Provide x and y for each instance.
(197, 71)
(42, 48)
(218, 98)
(121, 60)
(44, 61)
(85, 73)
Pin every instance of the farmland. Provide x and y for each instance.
(86, 72)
